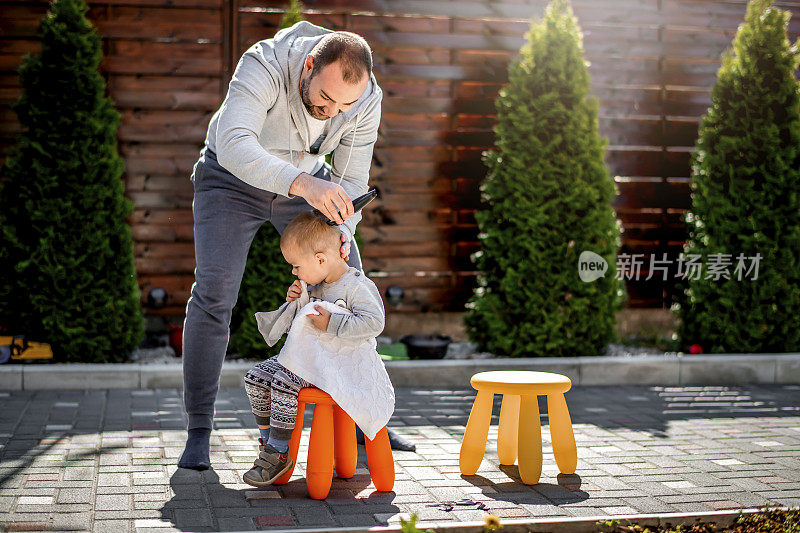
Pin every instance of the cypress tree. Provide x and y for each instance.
(746, 198)
(547, 197)
(67, 271)
(293, 15)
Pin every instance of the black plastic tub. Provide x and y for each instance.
(426, 346)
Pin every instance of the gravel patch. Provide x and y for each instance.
(164, 354)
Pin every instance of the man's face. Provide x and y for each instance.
(325, 94)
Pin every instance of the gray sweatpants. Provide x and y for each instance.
(227, 214)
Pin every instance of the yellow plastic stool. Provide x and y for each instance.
(520, 430)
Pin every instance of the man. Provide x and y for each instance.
(293, 98)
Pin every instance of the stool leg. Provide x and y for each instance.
(345, 453)
(507, 436)
(564, 449)
(474, 443)
(319, 470)
(530, 440)
(294, 443)
(380, 461)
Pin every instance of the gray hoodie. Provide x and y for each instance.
(259, 133)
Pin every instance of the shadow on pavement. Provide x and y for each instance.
(566, 491)
(643, 408)
(200, 500)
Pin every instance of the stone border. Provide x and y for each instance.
(718, 369)
(552, 525)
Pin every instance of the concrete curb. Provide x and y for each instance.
(717, 369)
(556, 525)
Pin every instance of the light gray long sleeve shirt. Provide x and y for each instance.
(260, 135)
(356, 292)
(353, 291)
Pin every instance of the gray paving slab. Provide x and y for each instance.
(105, 460)
(11, 379)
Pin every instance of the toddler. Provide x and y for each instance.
(311, 246)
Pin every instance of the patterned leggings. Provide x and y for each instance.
(273, 392)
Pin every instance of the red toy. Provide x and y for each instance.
(176, 338)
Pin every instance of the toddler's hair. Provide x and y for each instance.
(309, 233)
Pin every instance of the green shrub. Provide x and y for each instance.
(67, 271)
(746, 197)
(293, 15)
(547, 198)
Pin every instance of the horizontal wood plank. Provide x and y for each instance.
(161, 216)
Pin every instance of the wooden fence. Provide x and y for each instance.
(440, 64)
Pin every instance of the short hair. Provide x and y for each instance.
(350, 49)
(309, 233)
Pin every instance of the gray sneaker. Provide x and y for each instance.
(270, 465)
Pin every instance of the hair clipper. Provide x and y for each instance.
(358, 204)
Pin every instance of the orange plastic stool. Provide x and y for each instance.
(332, 441)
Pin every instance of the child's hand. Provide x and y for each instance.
(294, 291)
(321, 320)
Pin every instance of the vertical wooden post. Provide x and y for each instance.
(230, 43)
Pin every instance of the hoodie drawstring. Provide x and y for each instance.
(291, 152)
(351, 151)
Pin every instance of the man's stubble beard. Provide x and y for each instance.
(314, 111)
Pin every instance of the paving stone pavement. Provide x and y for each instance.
(105, 460)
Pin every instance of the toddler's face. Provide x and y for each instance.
(311, 268)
